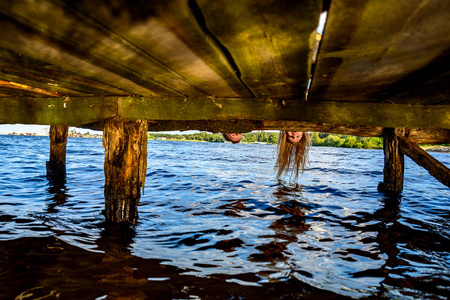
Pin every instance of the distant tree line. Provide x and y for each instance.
(317, 138)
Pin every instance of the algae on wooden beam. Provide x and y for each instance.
(57, 111)
(331, 112)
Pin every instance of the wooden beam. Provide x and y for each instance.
(394, 163)
(425, 160)
(331, 112)
(56, 166)
(75, 111)
(57, 111)
(125, 143)
(425, 136)
(416, 135)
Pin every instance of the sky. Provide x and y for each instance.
(38, 129)
(42, 129)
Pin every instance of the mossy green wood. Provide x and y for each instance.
(368, 47)
(53, 29)
(57, 111)
(350, 113)
(83, 110)
(270, 42)
(169, 31)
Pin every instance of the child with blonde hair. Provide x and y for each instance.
(292, 147)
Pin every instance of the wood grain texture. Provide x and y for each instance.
(40, 73)
(331, 112)
(125, 143)
(75, 111)
(380, 63)
(69, 38)
(270, 42)
(169, 32)
(374, 50)
(394, 163)
(57, 111)
(56, 166)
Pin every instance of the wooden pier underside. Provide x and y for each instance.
(380, 63)
(231, 66)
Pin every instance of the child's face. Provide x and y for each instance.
(294, 136)
(234, 137)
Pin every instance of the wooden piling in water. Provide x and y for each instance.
(56, 166)
(394, 163)
(125, 143)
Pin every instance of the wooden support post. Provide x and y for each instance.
(394, 163)
(125, 143)
(423, 159)
(56, 166)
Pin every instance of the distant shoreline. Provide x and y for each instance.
(445, 149)
(428, 148)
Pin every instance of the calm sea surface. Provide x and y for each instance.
(214, 223)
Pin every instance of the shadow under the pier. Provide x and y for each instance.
(51, 268)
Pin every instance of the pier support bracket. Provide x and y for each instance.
(56, 166)
(394, 163)
(425, 160)
(125, 143)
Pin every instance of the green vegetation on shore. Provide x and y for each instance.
(317, 138)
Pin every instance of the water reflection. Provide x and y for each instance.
(58, 195)
(405, 243)
(287, 228)
(115, 241)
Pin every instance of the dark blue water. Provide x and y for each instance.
(214, 223)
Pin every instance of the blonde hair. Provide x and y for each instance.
(292, 155)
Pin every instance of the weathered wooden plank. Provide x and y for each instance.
(25, 89)
(31, 45)
(358, 130)
(269, 42)
(75, 111)
(170, 32)
(331, 112)
(56, 111)
(435, 91)
(376, 49)
(125, 143)
(425, 136)
(416, 135)
(22, 69)
(394, 163)
(423, 159)
(66, 30)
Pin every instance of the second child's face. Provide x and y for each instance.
(294, 136)
(234, 137)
